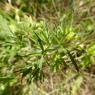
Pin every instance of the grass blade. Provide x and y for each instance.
(40, 42)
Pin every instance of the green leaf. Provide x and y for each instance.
(7, 90)
(6, 79)
(40, 42)
(26, 70)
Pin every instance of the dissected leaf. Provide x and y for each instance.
(73, 60)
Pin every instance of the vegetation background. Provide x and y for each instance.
(47, 47)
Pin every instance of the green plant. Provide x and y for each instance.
(30, 50)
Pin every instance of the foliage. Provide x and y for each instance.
(30, 49)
